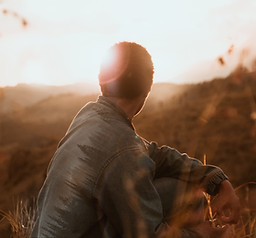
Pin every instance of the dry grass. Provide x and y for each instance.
(246, 227)
(21, 219)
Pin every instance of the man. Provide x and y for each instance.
(106, 181)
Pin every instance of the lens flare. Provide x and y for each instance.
(113, 65)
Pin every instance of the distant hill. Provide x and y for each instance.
(50, 116)
(216, 118)
(23, 95)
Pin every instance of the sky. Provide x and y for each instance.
(62, 41)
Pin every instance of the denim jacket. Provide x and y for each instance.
(99, 181)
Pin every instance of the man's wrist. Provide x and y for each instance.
(213, 184)
(219, 186)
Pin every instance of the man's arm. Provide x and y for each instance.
(171, 163)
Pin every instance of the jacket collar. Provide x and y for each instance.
(110, 103)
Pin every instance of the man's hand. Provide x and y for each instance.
(226, 204)
(206, 230)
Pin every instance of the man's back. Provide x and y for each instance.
(68, 203)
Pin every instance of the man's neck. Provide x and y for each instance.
(130, 106)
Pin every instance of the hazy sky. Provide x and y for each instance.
(64, 40)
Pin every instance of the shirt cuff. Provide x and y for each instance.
(212, 184)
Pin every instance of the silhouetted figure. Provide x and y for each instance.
(106, 181)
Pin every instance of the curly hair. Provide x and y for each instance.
(127, 72)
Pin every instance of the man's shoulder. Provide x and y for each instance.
(99, 127)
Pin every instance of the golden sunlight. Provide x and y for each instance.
(69, 39)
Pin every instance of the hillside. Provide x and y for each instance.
(216, 118)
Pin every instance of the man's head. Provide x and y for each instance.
(127, 71)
